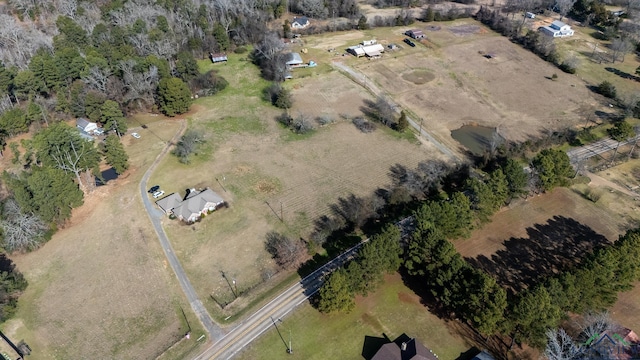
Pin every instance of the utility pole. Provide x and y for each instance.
(420, 133)
(281, 212)
(290, 349)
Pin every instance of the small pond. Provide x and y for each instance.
(109, 174)
(476, 139)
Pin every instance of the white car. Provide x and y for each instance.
(157, 194)
(135, 135)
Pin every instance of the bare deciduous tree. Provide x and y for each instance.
(67, 7)
(620, 48)
(560, 346)
(563, 7)
(97, 78)
(22, 232)
(287, 252)
(138, 85)
(595, 324)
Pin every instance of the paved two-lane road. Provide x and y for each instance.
(156, 216)
(263, 319)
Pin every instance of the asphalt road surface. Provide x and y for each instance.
(156, 216)
(272, 313)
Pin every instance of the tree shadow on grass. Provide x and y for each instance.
(548, 249)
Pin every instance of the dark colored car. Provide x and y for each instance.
(409, 42)
(154, 188)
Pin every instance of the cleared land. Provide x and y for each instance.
(100, 288)
(353, 335)
(266, 172)
(447, 81)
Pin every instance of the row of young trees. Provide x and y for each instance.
(592, 285)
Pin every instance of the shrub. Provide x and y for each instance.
(364, 125)
(607, 89)
(208, 84)
(240, 50)
(325, 119)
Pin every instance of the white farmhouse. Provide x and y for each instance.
(556, 29)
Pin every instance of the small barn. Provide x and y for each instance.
(414, 34)
(356, 51)
(300, 22)
(86, 125)
(294, 59)
(218, 57)
(373, 50)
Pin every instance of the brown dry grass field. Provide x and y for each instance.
(447, 81)
(100, 288)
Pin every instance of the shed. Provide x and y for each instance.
(217, 57)
(86, 125)
(356, 51)
(373, 50)
(369, 42)
(415, 33)
(294, 59)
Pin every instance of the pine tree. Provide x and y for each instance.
(336, 294)
(112, 117)
(115, 155)
(403, 124)
(174, 96)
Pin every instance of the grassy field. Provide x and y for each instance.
(391, 311)
(101, 288)
(265, 172)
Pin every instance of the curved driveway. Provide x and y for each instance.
(156, 216)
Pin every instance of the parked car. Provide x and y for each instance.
(135, 135)
(157, 194)
(409, 42)
(154, 188)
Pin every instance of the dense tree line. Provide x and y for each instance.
(467, 293)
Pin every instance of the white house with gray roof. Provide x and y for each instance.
(556, 29)
(194, 205)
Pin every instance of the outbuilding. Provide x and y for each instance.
(218, 57)
(414, 34)
(294, 59)
(86, 125)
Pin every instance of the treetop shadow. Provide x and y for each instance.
(548, 249)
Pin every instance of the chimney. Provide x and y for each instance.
(404, 346)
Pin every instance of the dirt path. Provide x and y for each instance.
(599, 181)
(368, 84)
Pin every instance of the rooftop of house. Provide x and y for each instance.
(82, 122)
(301, 20)
(409, 349)
(196, 202)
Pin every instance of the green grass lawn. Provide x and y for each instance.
(392, 310)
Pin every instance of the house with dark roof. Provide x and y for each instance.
(193, 206)
(410, 349)
(300, 22)
(414, 33)
(86, 125)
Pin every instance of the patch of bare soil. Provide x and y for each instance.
(419, 77)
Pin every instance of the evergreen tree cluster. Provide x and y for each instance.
(363, 274)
